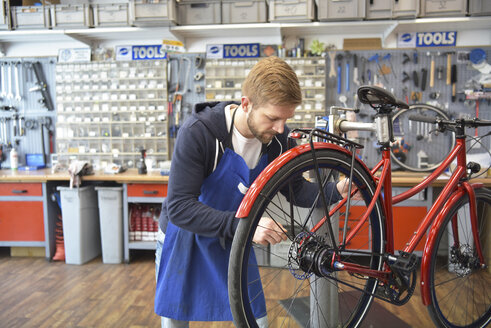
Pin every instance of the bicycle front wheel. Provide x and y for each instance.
(295, 293)
(460, 287)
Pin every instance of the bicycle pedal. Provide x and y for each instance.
(405, 262)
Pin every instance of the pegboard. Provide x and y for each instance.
(28, 107)
(186, 76)
(407, 74)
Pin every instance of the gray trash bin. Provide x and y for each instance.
(81, 230)
(111, 220)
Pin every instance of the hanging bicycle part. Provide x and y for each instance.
(42, 86)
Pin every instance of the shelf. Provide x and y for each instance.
(142, 245)
(382, 28)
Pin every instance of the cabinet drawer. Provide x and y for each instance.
(21, 221)
(21, 189)
(147, 190)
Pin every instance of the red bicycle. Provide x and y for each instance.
(340, 255)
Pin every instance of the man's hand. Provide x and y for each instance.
(269, 232)
(343, 186)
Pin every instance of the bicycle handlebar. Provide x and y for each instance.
(473, 123)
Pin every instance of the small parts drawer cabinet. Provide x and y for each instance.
(22, 215)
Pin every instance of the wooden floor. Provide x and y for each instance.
(38, 293)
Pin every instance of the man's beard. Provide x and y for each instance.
(264, 137)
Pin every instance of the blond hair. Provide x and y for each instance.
(272, 81)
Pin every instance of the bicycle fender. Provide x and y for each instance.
(431, 240)
(273, 167)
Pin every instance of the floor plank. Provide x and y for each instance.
(38, 293)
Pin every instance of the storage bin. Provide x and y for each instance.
(379, 9)
(5, 16)
(433, 8)
(240, 11)
(330, 10)
(291, 10)
(71, 16)
(112, 14)
(405, 9)
(479, 7)
(190, 12)
(30, 17)
(81, 231)
(147, 13)
(110, 201)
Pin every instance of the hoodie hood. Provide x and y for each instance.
(212, 115)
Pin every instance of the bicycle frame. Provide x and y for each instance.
(454, 189)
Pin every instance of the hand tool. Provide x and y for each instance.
(415, 57)
(332, 59)
(10, 95)
(415, 79)
(387, 57)
(453, 80)
(42, 86)
(375, 59)
(363, 67)
(339, 58)
(14, 124)
(347, 72)
(18, 97)
(432, 71)
(439, 72)
(406, 58)
(424, 77)
(405, 77)
(449, 68)
(355, 70)
(3, 94)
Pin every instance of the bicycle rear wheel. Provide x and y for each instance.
(420, 146)
(295, 296)
(460, 288)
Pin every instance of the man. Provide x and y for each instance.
(219, 152)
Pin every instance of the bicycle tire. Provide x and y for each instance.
(460, 295)
(417, 138)
(284, 292)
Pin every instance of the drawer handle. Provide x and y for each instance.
(150, 192)
(15, 191)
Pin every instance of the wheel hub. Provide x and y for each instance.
(309, 255)
(463, 261)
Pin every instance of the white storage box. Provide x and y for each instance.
(30, 17)
(243, 11)
(148, 13)
(192, 12)
(71, 16)
(291, 10)
(81, 230)
(479, 7)
(379, 9)
(111, 220)
(5, 15)
(433, 8)
(405, 9)
(110, 14)
(330, 10)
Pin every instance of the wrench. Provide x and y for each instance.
(17, 83)
(3, 94)
(10, 95)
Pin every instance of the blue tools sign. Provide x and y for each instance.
(140, 52)
(436, 39)
(246, 50)
(427, 39)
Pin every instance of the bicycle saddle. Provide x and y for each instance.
(379, 98)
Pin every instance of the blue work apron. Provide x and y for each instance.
(192, 279)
